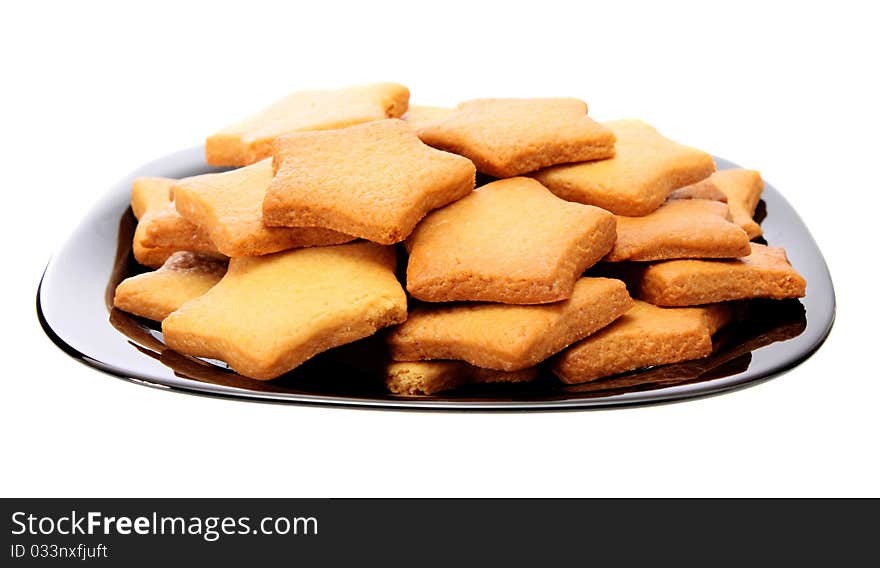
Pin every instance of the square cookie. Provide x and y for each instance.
(645, 169)
(271, 313)
(511, 241)
(509, 137)
(413, 378)
(184, 276)
(250, 140)
(765, 273)
(644, 336)
(680, 228)
(508, 337)
(229, 207)
(374, 181)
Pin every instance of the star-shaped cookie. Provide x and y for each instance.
(644, 336)
(509, 137)
(271, 313)
(511, 241)
(183, 277)
(645, 169)
(228, 206)
(680, 228)
(765, 273)
(374, 181)
(161, 231)
(507, 337)
(250, 140)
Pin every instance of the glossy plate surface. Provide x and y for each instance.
(75, 299)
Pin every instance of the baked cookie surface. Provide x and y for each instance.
(511, 241)
(228, 206)
(161, 231)
(184, 276)
(743, 189)
(413, 378)
(250, 140)
(271, 313)
(150, 193)
(418, 116)
(509, 137)
(374, 181)
(680, 228)
(508, 337)
(644, 336)
(645, 169)
(765, 273)
(703, 189)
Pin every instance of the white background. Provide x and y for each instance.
(90, 91)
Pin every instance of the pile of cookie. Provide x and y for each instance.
(349, 212)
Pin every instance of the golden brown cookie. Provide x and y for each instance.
(743, 189)
(703, 189)
(766, 273)
(642, 173)
(680, 228)
(374, 181)
(150, 193)
(508, 337)
(250, 140)
(644, 336)
(271, 313)
(229, 207)
(509, 137)
(161, 231)
(733, 357)
(184, 276)
(418, 116)
(166, 228)
(511, 241)
(411, 378)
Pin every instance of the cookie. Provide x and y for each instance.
(703, 189)
(229, 207)
(511, 241)
(166, 228)
(508, 337)
(150, 193)
(765, 273)
(184, 276)
(161, 231)
(644, 336)
(645, 169)
(271, 313)
(733, 358)
(250, 140)
(509, 137)
(743, 189)
(411, 378)
(374, 181)
(418, 116)
(681, 228)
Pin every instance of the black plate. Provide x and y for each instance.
(75, 298)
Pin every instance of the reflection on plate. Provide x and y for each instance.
(75, 307)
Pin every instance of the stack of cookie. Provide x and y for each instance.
(333, 190)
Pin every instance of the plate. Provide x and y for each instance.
(74, 305)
